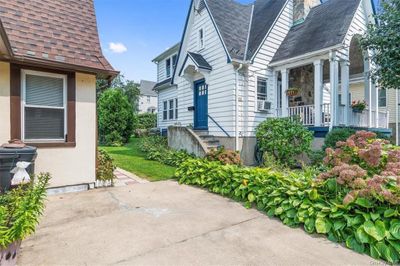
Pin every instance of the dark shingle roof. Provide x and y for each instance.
(147, 88)
(199, 61)
(62, 32)
(163, 83)
(232, 20)
(264, 15)
(325, 26)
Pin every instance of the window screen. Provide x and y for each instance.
(44, 108)
(261, 88)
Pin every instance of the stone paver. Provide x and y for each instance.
(125, 178)
(163, 223)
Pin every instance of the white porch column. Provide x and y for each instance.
(277, 92)
(318, 87)
(345, 80)
(368, 88)
(334, 83)
(285, 87)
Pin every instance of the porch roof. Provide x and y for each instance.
(325, 26)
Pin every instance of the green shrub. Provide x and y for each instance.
(145, 121)
(105, 167)
(336, 135)
(115, 118)
(224, 156)
(284, 138)
(156, 149)
(20, 210)
(298, 200)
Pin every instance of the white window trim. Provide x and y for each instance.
(170, 67)
(256, 91)
(171, 109)
(386, 99)
(25, 72)
(164, 110)
(201, 47)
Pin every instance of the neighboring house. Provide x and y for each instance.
(167, 92)
(50, 56)
(148, 97)
(238, 65)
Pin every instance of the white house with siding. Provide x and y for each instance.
(239, 64)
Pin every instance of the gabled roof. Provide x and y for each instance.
(63, 32)
(147, 88)
(170, 51)
(199, 60)
(244, 27)
(162, 84)
(325, 26)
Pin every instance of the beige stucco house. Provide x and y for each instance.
(50, 57)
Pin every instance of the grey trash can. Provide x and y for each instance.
(9, 157)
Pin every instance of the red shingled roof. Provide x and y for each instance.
(55, 31)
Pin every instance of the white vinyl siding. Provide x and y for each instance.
(44, 111)
(162, 72)
(221, 80)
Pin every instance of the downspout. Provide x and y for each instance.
(237, 107)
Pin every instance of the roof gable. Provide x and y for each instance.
(325, 26)
(62, 31)
(147, 88)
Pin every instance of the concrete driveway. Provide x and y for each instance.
(164, 223)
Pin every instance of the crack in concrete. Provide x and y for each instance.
(190, 238)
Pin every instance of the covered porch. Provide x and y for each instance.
(320, 89)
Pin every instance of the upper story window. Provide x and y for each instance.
(44, 109)
(382, 97)
(201, 39)
(148, 99)
(174, 61)
(168, 67)
(261, 88)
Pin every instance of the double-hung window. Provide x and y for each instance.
(176, 108)
(382, 97)
(44, 109)
(171, 109)
(261, 89)
(165, 111)
(174, 61)
(168, 67)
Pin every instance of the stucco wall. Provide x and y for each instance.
(71, 166)
(68, 166)
(4, 102)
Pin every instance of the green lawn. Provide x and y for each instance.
(131, 159)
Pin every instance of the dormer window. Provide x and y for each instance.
(201, 39)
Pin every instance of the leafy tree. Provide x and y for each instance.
(115, 117)
(383, 39)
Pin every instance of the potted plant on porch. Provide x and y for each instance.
(358, 106)
(292, 92)
(20, 210)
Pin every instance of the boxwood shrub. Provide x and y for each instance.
(365, 226)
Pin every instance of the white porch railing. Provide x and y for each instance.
(306, 114)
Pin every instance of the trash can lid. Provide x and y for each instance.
(24, 150)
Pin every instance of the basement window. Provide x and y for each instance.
(44, 110)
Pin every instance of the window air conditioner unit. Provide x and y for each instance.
(264, 106)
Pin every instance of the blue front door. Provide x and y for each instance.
(200, 105)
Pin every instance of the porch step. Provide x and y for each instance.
(208, 140)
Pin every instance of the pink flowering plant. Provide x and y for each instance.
(359, 106)
(365, 167)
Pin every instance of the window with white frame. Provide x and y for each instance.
(165, 110)
(168, 67)
(148, 99)
(176, 108)
(44, 110)
(382, 97)
(201, 39)
(174, 61)
(171, 109)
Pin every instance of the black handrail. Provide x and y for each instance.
(226, 133)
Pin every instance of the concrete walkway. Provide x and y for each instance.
(164, 223)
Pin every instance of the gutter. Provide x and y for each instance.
(237, 107)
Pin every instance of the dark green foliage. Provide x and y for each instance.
(115, 118)
(336, 135)
(142, 123)
(284, 138)
(156, 148)
(383, 39)
(20, 210)
(224, 156)
(105, 167)
(366, 226)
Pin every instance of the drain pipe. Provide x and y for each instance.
(237, 107)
